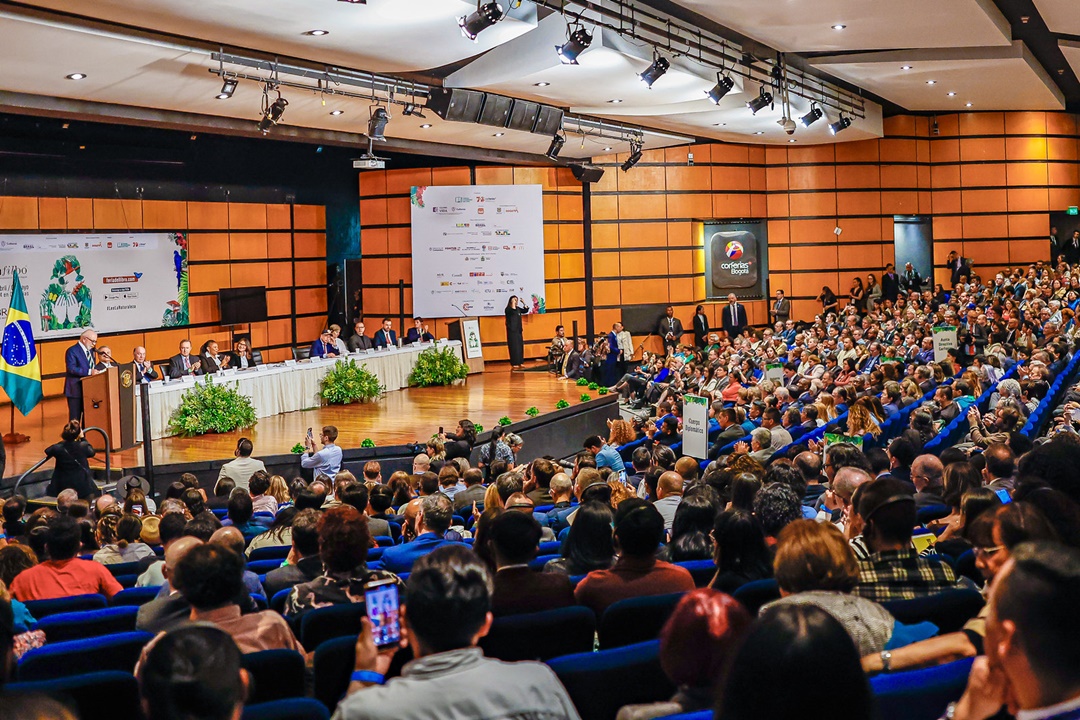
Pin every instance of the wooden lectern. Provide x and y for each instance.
(109, 403)
(467, 330)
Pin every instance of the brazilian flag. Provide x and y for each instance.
(20, 367)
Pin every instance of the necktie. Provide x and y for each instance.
(733, 320)
(187, 363)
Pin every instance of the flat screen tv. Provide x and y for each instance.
(242, 305)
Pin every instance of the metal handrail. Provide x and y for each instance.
(42, 461)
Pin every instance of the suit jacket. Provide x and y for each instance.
(736, 327)
(671, 325)
(209, 364)
(781, 310)
(240, 470)
(360, 342)
(413, 336)
(520, 590)
(176, 366)
(464, 499)
(306, 570)
(320, 349)
(381, 339)
(890, 286)
(701, 329)
(234, 360)
(141, 376)
(726, 437)
(77, 366)
(400, 558)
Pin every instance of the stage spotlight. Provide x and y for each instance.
(556, 147)
(654, 72)
(376, 126)
(811, 117)
(578, 42)
(840, 125)
(272, 114)
(723, 86)
(485, 16)
(635, 155)
(228, 87)
(763, 100)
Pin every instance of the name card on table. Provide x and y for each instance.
(290, 363)
(262, 368)
(189, 379)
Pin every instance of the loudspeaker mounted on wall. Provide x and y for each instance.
(587, 173)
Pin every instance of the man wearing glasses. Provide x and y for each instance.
(78, 363)
(105, 359)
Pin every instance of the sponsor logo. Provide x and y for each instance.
(445, 283)
(466, 306)
(734, 250)
(737, 268)
(108, 245)
(503, 233)
(121, 279)
(463, 199)
(479, 211)
(461, 225)
(477, 274)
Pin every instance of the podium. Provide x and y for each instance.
(467, 330)
(109, 403)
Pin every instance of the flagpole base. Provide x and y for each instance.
(14, 438)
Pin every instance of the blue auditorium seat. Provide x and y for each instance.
(292, 709)
(334, 662)
(322, 624)
(602, 682)
(108, 652)
(920, 694)
(757, 593)
(948, 610)
(636, 620)
(62, 627)
(542, 635)
(275, 675)
(702, 571)
(134, 596)
(275, 552)
(106, 695)
(41, 608)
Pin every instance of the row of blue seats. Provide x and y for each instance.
(1033, 428)
(957, 429)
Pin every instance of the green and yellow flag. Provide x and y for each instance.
(20, 367)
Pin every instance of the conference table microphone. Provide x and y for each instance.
(463, 313)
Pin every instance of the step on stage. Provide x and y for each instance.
(398, 418)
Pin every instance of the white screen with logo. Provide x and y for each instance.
(474, 246)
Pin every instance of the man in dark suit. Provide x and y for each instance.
(1072, 248)
(670, 330)
(734, 321)
(781, 308)
(183, 364)
(890, 284)
(142, 369)
(730, 431)
(958, 268)
(701, 327)
(78, 363)
(386, 337)
(360, 341)
(324, 346)
(418, 333)
(515, 538)
(473, 492)
(911, 281)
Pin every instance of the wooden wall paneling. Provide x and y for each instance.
(52, 213)
(18, 213)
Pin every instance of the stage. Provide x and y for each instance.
(400, 417)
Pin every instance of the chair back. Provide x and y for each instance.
(62, 627)
(291, 709)
(948, 610)
(301, 353)
(127, 568)
(602, 682)
(134, 596)
(541, 635)
(275, 675)
(106, 695)
(932, 512)
(73, 603)
(702, 571)
(322, 624)
(636, 620)
(76, 657)
(920, 694)
(334, 661)
(269, 552)
(757, 593)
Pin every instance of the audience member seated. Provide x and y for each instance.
(243, 467)
(118, 538)
(432, 522)
(776, 506)
(928, 476)
(473, 494)
(693, 525)
(589, 545)
(210, 577)
(242, 514)
(193, 672)
(343, 546)
(696, 647)
(669, 492)
(515, 538)
(541, 470)
(304, 563)
(170, 608)
(894, 571)
(231, 538)
(740, 552)
(170, 529)
(639, 529)
(790, 653)
(261, 500)
(356, 495)
(279, 534)
(63, 574)
(447, 611)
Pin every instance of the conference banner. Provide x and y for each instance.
(944, 341)
(736, 259)
(696, 426)
(475, 246)
(111, 283)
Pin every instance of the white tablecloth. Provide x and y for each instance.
(282, 388)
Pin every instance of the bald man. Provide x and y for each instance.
(79, 363)
(233, 539)
(142, 368)
(928, 475)
(669, 491)
(168, 609)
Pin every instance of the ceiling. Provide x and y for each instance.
(149, 62)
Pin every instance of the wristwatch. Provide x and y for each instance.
(886, 660)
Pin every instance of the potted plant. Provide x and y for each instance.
(348, 382)
(210, 407)
(438, 367)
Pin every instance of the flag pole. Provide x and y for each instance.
(12, 437)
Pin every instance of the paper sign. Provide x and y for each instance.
(696, 426)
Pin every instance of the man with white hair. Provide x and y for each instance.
(141, 368)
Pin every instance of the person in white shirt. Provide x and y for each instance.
(326, 461)
(669, 491)
(244, 466)
(335, 334)
(626, 348)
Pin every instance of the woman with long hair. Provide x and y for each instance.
(494, 449)
(241, 356)
(72, 470)
(589, 544)
(857, 295)
(459, 444)
(514, 340)
(118, 536)
(692, 527)
(279, 534)
(740, 553)
(860, 422)
(828, 300)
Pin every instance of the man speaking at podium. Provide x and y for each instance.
(79, 363)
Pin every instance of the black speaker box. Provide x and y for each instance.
(548, 120)
(456, 104)
(587, 173)
(523, 115)
(496, 110)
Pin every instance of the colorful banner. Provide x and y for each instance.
(20, 365)
(112, 283)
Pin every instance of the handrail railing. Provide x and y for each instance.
(42, 461)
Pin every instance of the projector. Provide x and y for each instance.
(369, 163)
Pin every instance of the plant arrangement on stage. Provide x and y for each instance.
(438, 367)
(504, 420)
(562, 404)
(585, 397)
(478, 427)
(533, 411)
(367, 442)
(212, 408)
(601, 390)
(594, 386)
(348, 382)
(582, 382)
(297, 449)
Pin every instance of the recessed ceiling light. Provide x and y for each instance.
(760, 132)
(82, 147)
(425, 126)
(931, 82)
(793, 140)
(607, 149)
(951, 94)
(905, 67)
(838, 27)
(317, 33)
(337, 112)
(541, 84)
(193, 137)
(76, 76)
(967, 105)
(66, 126)
(616, 101)
(499, 134)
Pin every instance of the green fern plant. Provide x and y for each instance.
(533, 411)
(504, 420)
(585, 397)
(582, 382)
(348, 382)
(297, 449)
(562, 404)
(478, 427)
(601, 390)
(209, 407)
(594, 386)
(438, 367)
(367, 443)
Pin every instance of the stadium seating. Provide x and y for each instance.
(75, 657)
(920, 694)
(602, 682)
(62, 627)
(542, 635)
(635, 620)
(74, 603)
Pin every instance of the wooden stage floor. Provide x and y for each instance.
(399, 417)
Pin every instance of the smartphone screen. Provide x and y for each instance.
(310, 436)
(440, 430)
(381, 600)
(1076, 415)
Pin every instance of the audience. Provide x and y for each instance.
(63, 574)
(515, 537)
(432, 522)
(193, 672)
(305, 561)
